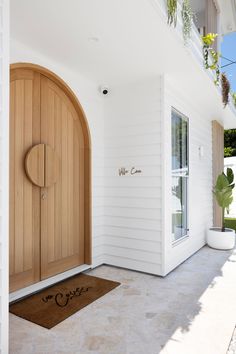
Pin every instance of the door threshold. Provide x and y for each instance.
(16, 295)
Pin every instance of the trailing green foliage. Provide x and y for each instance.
(229, 151)
(187, 18)
(172, 12)
(230, 142)
(209, 39)
(225, 88)
(223, 192)
(211, 57)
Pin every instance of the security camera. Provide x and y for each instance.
(104, 90)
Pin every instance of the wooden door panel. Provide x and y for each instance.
(24, 197)
(62, 219)
(48, 225)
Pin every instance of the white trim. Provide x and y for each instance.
(164, 213)
(16, 295)
(4, 181)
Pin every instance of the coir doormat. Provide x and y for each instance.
(52, 305)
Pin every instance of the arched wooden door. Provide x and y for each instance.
(49, 177)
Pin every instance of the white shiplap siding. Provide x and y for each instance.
(4, 179)
(132, 204)
(200, 174)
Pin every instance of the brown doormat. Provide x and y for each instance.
(51, 306)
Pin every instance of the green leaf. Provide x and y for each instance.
(222, 182)
(223, 190)
(230, 175)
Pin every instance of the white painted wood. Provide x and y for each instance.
(132, 203)
(47, 282)
(4, 172)
(200, 173)
(133, 264)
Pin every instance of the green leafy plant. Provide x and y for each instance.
(223, 192)
(230, 142)
(187, 18)
(233, 94)
(209, 39)
(225, 87)
(211, 57)
(229, 151)
(172, 12)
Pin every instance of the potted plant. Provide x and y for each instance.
(221, 237)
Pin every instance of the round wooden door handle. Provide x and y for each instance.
(42, 165)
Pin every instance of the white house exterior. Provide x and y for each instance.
(151, 76)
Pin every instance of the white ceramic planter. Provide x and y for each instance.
(221, 240)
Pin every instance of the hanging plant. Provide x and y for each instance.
(210, 56)
(187, 18)
(209, 39)
(172, 12)
(225, 87)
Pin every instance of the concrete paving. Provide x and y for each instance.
(191, 311)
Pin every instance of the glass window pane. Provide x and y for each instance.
(179, 175)
(179, 207)
(179, 142)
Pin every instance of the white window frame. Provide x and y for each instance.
(181, 173)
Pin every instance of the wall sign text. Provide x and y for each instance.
(133, 171)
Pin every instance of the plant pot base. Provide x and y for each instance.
(221, 240)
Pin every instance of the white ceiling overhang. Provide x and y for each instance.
(228, 15)
(113, 42)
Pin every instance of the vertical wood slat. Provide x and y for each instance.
(70, 187)
(217, 165)
(58, 185)
(64, 163)
(12, 184)
(24, 197)
(63, 208)
(19, 176)
(58, 213)
(36, 139)
(28, 188)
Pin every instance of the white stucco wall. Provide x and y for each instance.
(4, 173)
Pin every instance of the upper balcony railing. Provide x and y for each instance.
(206, 20)
(206, 17)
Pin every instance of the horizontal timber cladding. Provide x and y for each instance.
(133, 194)
(200, 172)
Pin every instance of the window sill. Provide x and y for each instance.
(180, 240)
